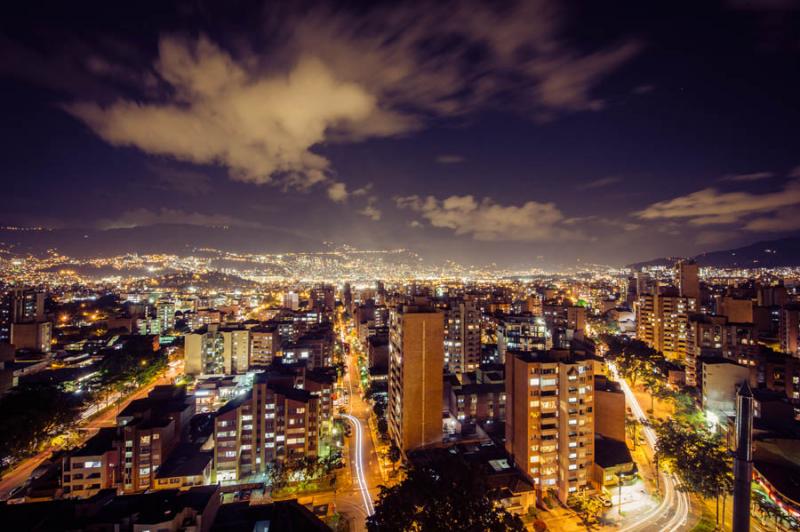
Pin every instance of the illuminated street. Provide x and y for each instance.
(672, 514)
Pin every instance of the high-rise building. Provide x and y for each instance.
(550, 420)
(462, 336)
(524, 332)
(416, 359)
(279, 420)
(265, 345)
(687, 278)
(204, 352)
(165, 313)
(236, 350)
(663, 321)
(323, 298)
(715, 336)
(20, 305)
(789, 330)
(291, 300)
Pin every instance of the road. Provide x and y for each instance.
(363, 457)
(673, 512)
(89, 427)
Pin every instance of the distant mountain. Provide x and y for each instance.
(167, 238)
(764, 254)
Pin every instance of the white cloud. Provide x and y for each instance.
(488, 220)
(145, 217)
(336, 76)
(261, 128)
(371, 211)
(713, 207)
(337, 192)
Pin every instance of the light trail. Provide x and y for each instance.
(672, 493)
(359, 463)
(359, 454)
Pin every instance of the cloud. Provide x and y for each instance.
(371, 211)
(488, 220)
(261, 128)
(599, 183)
(755, 176)
(144, 217)
(337, 192)
(449, 159)
(713, 207)
(784, 220)
(339, 76)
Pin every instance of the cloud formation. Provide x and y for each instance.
(145, 217)
(263, 112)
(488, 220)
(260, 128)
(714, 207)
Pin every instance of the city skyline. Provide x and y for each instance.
(523, 133)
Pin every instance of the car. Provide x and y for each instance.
(605, 501)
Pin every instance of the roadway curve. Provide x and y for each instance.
(673, 512)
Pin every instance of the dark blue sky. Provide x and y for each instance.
(518, 133)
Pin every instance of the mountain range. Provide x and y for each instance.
(764, 254)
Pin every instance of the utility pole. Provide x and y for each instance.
(743, 459)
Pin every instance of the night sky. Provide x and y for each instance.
(519, 133)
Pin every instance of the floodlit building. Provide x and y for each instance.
(416, 359)
(550, 419)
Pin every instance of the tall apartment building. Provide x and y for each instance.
(323, 297)
(416, 360)
(687, 279)
(265, 345)
(524, 332)
(279, 420)
(165, 313)
(236, 350)
(550, 419)
(715, 336)
(22, 320)
(462, 336)
(203, 352)
(663, 321)
(215, 351)
(789, 330)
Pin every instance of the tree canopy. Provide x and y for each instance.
(444, 492)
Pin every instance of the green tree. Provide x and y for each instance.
(445, 492)
(699, 458)
(588, 509)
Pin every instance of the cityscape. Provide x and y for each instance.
(400, 266)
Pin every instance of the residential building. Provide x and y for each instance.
(550, 419)
(416, 359)
(462, 336)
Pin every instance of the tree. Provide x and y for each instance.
(588, 509)
(698, 457)
(383, 426)
(394, 453)
(443, 492)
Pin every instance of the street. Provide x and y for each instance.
(672, 514)
(88, 427)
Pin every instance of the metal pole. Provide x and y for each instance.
(743, 459)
